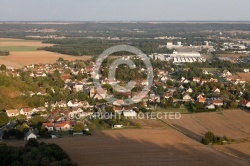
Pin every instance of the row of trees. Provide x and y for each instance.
(210, 138)
(4, 53)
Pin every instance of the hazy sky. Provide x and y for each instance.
(123, 10)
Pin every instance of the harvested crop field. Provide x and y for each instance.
(36, 57)
(231, 123)
(241, 149)
(141, 147)
(6, 42)
(245, 76)
(24, 52)
(233, 55)
(149, 123)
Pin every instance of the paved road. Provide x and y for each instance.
(8, 126)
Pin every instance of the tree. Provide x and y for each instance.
(3, 67)
(4, 119)
(199, 105)
(60, 59)
(78, 127)
(6, 134)
(32, 143)
(209, 138)
(109, 109)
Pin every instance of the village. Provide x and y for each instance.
(72, 99)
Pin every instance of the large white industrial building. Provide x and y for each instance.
(179, 57)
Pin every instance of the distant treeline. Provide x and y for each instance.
(4, 53)
(79, 47)
(131, 30)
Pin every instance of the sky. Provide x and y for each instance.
(124, 10)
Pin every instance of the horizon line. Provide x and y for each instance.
(125, 21)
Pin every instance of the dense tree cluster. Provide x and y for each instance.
(34, 153)
(210, 138)
(4, 53)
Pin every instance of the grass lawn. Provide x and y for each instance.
(182, 110)
(18, 48)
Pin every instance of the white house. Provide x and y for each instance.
(211, 106)
(26, 111)
(246, 70)
(129, 114)
(187, 97)
(72, 103)
(12, 113)
(29, 135)
(190, 90)
(78, 87)
(216, 90)
(63, 126)
(61, 104)
(246, 103)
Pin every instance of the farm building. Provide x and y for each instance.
(29, 135)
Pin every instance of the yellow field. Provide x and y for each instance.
(26, 55)
(36, 57)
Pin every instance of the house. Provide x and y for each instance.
(98, 93)
(129, 114)
(84, 104)
(49, 126)
(61, 104)
(181, 87)
(75, 113)
(246, 70)
(226, 73)
(196, 79)
(12, 113)
(78, 87)
(202, 99)
(213, 80)
(63, 126)
(26, 111)
(245, 103)
(187, 97)
(164, 78)
(118, 109)
(168, 95)
(189, 90)
(216, 90)
(72, 103)
(218, 102)
(29, 135)
(118, 103)
(211, 106)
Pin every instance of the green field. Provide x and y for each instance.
(182, 110)
(17, 48)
